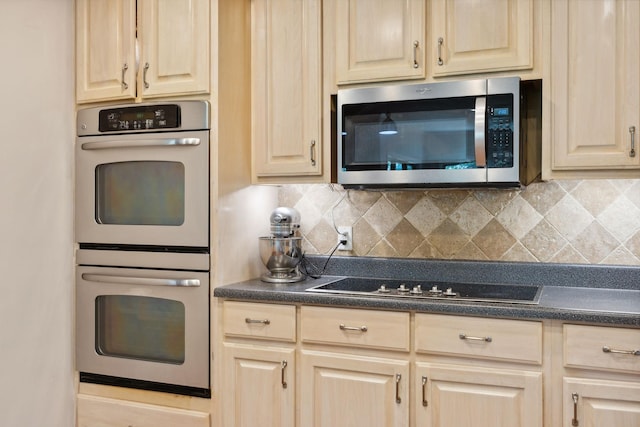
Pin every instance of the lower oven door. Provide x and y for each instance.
(140, 324)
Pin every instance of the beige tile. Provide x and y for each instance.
(495, 200)
(426, 250)
(494, 240)
(519, 217)
(568, 255)
(448, 238)
(324, 196)
(621, 218)
(323, 237)
(404, 200)
(518, 253)
(471, 216)
(543, 241)
(404, 238)
(569, 184)
(633, 244)
(383, 249)
(365, 237)
(425, 216)
(448, 201)
(288, 195)
(310, 216)
(363, 200)
(595, 195)
(595, 243)
(569, 217)
(621, 256)
(633, 192)
(470, 252)
(383, 216)
(542, 196)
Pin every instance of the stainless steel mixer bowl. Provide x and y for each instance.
(281, 255)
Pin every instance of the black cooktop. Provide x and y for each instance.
(488, 292)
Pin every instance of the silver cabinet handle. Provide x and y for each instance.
(607, 349)
(313, 152)
(398, 378)
(169, 142)
(440, 42)
(424, 392)
(261, 321)
(479, 132)
(353, 328)
(125, 86)
(632, 131)
(574, 420)
(144, 75)
(282, 369)
(472, 338)
(416, 44)
(145, 281)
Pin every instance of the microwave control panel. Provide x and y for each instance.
(500, 131)
(139, 118)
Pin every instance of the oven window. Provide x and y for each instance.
(139, 327)
(140, 193)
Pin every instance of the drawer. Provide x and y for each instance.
(101, 411)
(515, 340)
(602, 347)
(255, 320)
(362, 328)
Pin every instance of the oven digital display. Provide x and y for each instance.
(139, 118)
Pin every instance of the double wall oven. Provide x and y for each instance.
(142, 228)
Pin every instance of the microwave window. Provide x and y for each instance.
(139, 327)
(425, 134)
(140, 193)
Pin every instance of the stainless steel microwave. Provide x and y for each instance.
(448, 134)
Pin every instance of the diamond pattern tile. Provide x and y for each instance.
(566, 221)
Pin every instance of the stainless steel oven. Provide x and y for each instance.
(142, 228)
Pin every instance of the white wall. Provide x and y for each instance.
(36, 235)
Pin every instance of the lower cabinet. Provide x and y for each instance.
(595, 403)
(259, 386)
(95, 411)
(464, 396)
(355, 391)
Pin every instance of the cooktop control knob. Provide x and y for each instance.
(417, 290)
(403, 288)
(449, 292)
(434, 291)
(383, 289)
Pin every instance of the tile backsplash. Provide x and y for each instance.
(577, 221)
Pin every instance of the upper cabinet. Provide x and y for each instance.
(594, 86)
(286, 84)
(469, 36)
(379, 40)
(128, 50)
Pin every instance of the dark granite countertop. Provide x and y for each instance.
(579, 293)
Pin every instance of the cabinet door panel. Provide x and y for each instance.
(595, 64)
(464, 396)
(175, 46)
(601, 403)
(379, 39)
(105, 61)
(469, 36)
(259, 386)
(344, 390)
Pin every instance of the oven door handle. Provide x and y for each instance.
(479, 132)
(144, 281)
(167, 142)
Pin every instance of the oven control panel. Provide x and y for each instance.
(139, 118)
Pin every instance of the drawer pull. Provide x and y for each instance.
(282, 369)
(607, 349)
(353, 328)
(398, 378)
(472, 338)
(424, 392)
(574, 421)
(261, 321)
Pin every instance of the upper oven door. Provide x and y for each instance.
(143, 189)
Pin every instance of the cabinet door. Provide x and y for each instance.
(379, 40)
(470, 36)
(595, 88)
(286, 87)
(258, 386)
(175, 51)
(464, 396)
(345, 390)
(105, 53)
(595, 403)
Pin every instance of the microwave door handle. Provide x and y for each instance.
(162, 142)
(144, 281)
(479, 132)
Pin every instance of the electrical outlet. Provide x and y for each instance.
(345, 233)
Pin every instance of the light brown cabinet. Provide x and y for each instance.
(127, 50)
(594, 88)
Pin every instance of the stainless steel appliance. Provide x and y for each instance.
(281, 252)
(463, 133)
(142, 227)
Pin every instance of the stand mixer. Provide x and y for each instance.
(281, 252)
